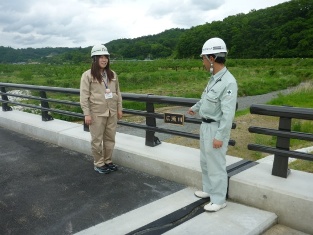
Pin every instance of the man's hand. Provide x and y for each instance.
(217, 144)
(191, 112)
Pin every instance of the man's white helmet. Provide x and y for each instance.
(214, 46)
(99, 50)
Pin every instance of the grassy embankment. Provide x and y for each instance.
(187, 78)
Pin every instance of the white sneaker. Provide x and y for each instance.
(201, 194)
(211, 207)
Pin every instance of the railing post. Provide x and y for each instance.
(280, 165)
(44, 114)
(5, 106)
(151, 140)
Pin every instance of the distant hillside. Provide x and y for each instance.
(281, 31)
(284, 30)
(160, 45)
(11, 55)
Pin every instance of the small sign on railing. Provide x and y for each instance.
(174, 118)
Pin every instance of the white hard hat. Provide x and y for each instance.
(99, 50)
(214, 46)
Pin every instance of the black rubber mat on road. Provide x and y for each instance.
(46, 189)
(172, 220)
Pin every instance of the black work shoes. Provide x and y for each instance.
(106, 169)
(111, 166)
(102, 169)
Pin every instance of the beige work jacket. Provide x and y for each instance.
(92, 96)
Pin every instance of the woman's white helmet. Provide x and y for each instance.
(214, 46)
(99, 50)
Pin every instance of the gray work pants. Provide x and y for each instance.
(213, 164)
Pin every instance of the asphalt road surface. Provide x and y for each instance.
(46, 189)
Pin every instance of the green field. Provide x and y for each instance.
(180, 78)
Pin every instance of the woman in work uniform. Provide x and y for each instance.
(217, 108)
(101, 102)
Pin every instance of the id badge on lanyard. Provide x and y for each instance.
(108, 94)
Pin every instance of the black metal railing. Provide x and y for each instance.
(284, 133)
(148, 99)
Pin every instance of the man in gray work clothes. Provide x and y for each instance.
(217, 108)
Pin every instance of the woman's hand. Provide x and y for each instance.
(119, 115)
(88, 120)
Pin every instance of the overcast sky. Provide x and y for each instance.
(83, 23)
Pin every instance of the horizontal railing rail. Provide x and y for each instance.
(282, 152)
(149, 113)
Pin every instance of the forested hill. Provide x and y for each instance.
(284, 30)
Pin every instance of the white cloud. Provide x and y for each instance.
(75, 23)
(185, 13)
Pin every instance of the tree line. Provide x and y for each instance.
(281, 31)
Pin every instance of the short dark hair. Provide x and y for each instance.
(218, 59)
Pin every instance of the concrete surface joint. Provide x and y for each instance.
(290, 199)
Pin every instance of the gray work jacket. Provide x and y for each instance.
(218, 102)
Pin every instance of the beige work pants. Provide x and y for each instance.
(102, 130)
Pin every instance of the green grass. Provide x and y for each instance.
(180, 78)
(242, 112)
(302, 165)
(303, 97)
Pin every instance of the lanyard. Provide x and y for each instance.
(218, 80)
(105, 83)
